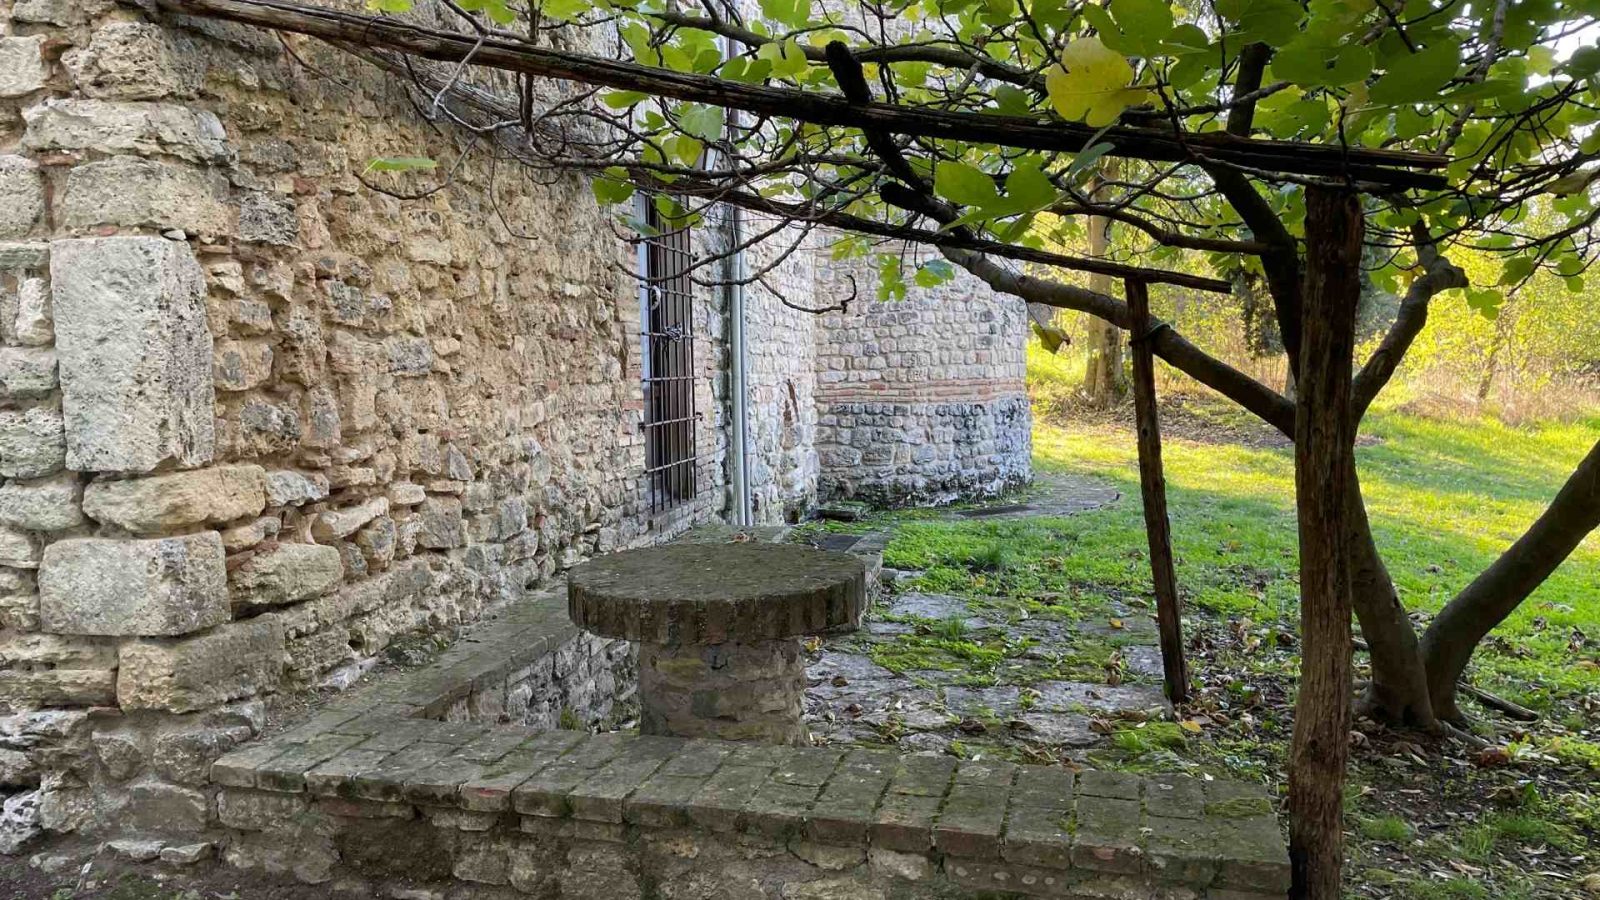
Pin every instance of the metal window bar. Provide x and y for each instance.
(667, 320)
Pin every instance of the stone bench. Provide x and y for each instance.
(511, 805)
(411, 782)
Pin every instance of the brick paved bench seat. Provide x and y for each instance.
(409, 790)
(544, 812)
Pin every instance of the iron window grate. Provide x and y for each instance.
(666, 316)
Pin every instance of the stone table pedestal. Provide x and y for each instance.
(719, 629)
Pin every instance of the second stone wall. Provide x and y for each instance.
(921, 400)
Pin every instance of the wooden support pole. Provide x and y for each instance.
(1153, 489)
(1324, 464)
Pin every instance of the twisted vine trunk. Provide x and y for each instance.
(1324, 468)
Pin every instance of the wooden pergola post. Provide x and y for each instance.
(1153, 490)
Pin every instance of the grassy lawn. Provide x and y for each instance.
(1426, 820)
(1445, 498)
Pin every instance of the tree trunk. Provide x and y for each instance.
(1153, 491)
(1398, 691)
(1324, 468)
(1103, 383)
(1455, 632)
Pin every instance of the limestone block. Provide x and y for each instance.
(231, 661)
(287, 573)
(132, 191)
(22, 68)
(21, 187)
(164, 502)
(161, 586)
(442, 525)
(24, 255)
(154, 806)
(341, 523)
(268, 219)
(133, 61)
(243, 537)
(27, 372)
(32, 443)
(289, 488)
(148, 129)
(30, 323)
(135, 350)
(44, 504)
(58, 687)
(241, 365)
(18, 549)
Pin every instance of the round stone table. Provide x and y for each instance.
(719, 628)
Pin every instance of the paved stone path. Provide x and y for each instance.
(1050, 494)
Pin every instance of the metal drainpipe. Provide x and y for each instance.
(744, 515)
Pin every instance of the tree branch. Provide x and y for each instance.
(513, 54)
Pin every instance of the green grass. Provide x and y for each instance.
(1445, 498)
(1385, 828)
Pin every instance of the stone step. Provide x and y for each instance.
(979, 826)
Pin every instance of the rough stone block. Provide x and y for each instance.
(22, 68)
(21, 185)
(30, 324)
(33, 443)
(135, 349)
(164, 502)
(24, 255)
(286, 573)
(147, 129)
(18, 549)
(287, 488)
(239, 659)
(442, 524)
(57, 687)
(45, 504)
(133, 61)
(342, 523)
(241, 365)
(162, 586)
(27, 372)
(132, 191)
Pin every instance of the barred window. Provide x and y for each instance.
(666, 315)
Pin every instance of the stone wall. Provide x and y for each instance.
(781, 364)
(921, 399)
(257, 420)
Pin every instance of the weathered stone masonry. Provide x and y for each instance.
(257, 420)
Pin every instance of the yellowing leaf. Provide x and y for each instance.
(1093, 84)
(1116, 623)
(1190, 725)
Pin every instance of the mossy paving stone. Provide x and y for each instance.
(387, 780)
(1038, 836)
(904, 822)
(723, 796)
(286, 771)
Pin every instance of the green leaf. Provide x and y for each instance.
(701, 121)
(933, 273)
(613, 189)
(389, 6)
(1088, 156)
(1272, 22)
(790, 13)
(962, 184)
(1092, 84)
(623, 99)
(401, 164)
(787, 58)
(1417, 77)
(685, 149)
(565, 10)
(1310, 63)
(1144, 24)
(1028, 187)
